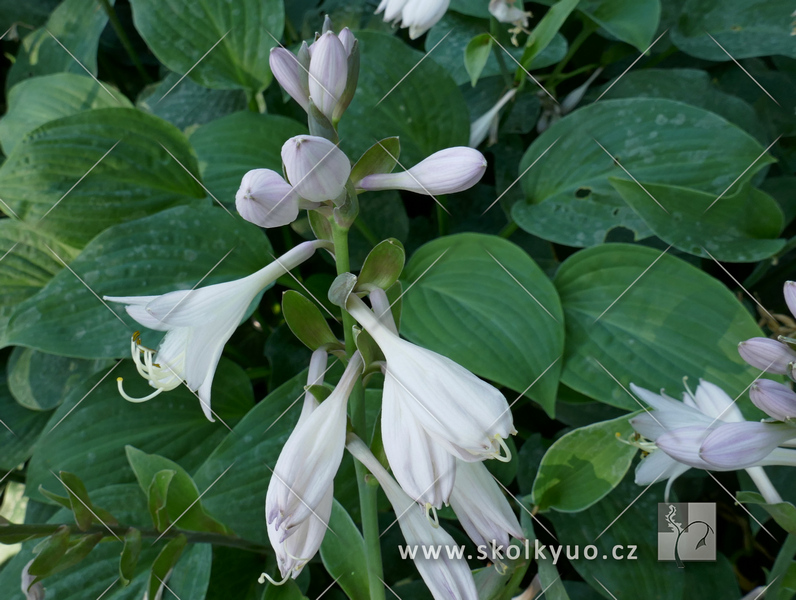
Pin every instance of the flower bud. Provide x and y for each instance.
(774, 399)
(740, 445)
(328, 73)
(317, 169)
(291, 75)
(766, 354)
(347, 39)
(506, 12)
(267, 200)
(790, 296)
(445, 172)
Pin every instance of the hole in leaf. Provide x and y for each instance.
(583, 192)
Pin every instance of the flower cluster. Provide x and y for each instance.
(707, 430)
(439, 421)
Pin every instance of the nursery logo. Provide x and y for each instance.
(687, 532)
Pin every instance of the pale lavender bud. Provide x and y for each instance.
(683, 445)
(790, 296)
(766, 354)
(347, 39)
(328, 73)
(774, 399)
(740, 445)
(445, 172)
(267, 200)
(317, 169)
(291, 75)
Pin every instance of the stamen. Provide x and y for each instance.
(638, 442)
(505, 448)
(129, 398)
(272, 581)
(688, 389)
(430, 510)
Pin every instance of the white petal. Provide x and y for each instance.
(716, 403)
(425, 470)
(291, 75)
(267, 200)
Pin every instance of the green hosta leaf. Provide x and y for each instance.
(163, 566)
(50, 552)
(343, 554)
(691, 86)
(181, 33)
(583, 466)
(24, 428)
(189, 105)
(569, 199)
(476, 54)
(672, 322)
(229, 147)
(739, 227)
(745, 28)
(130, 554)
(253, 445)
(77, 25)
(182, 507)
(632, 21)
(157, 497)
(475, 311)
(546, 29)
(426, 110)
(98, 573)
(137, 177)
(28, 265)
(784, 513)
(85, 511)
(36, 101)
(30, 13)
(460, 29)
(87, 435)
(41, 381)
(175, 249)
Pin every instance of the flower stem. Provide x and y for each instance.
(38, 530)
(125, 41)
(367, 493)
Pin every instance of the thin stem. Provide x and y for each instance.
(508, 230)
(38, 530)
(122, 35)
(367, 494)
(588, 28)
(443, 225)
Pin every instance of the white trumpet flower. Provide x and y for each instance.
(310, 458)
(467, 416)
(447, 578)
(482, 508)
(198, 324)
(445, 172)
(677, 431)
(295, 549)
(328, 73)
